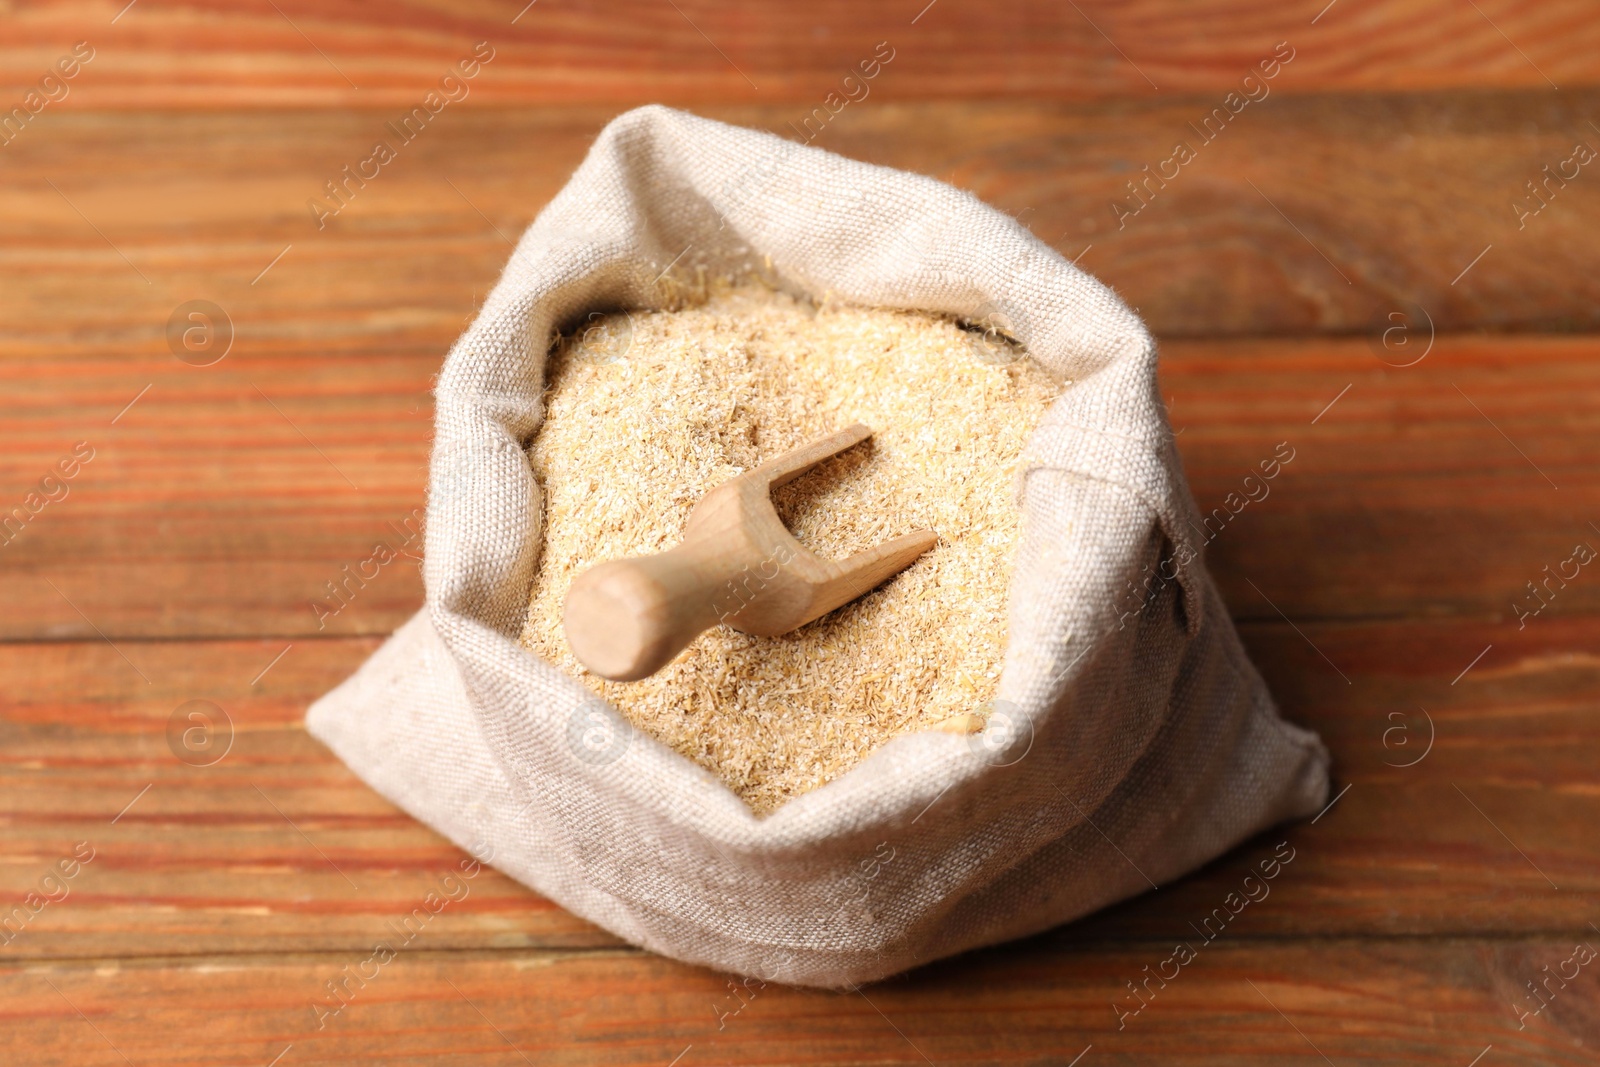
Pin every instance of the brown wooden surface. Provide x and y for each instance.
(1350, 1000)
(1377, 587)
(350, 54)
(1307, 215)
(211, 859)
(206, 513)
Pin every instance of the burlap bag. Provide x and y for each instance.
(1131, 740)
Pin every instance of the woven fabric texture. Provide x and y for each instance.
(1130, 740)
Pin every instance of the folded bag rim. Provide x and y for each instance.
(593, 268)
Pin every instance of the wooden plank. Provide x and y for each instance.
(1305, 217)
(1463, 785)
(277, 847)
(1298, 1002)
(274, 846)
(225, 500)
(338, 295)
(1439, 488)
(1302, 216)
(344, 54)
(217, 505)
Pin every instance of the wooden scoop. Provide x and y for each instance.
(737, 565)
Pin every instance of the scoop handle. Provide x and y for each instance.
(628, 618)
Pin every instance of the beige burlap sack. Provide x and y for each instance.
(1130, 742)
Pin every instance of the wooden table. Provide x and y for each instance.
(1344, 267)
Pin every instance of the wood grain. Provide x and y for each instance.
(275, 846)
(218, 505)
(1305, 215)
(1362, 214)
(1461, 818)
(228, 497)
(1439, 488)
(1359, 1000)
(296, 53)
